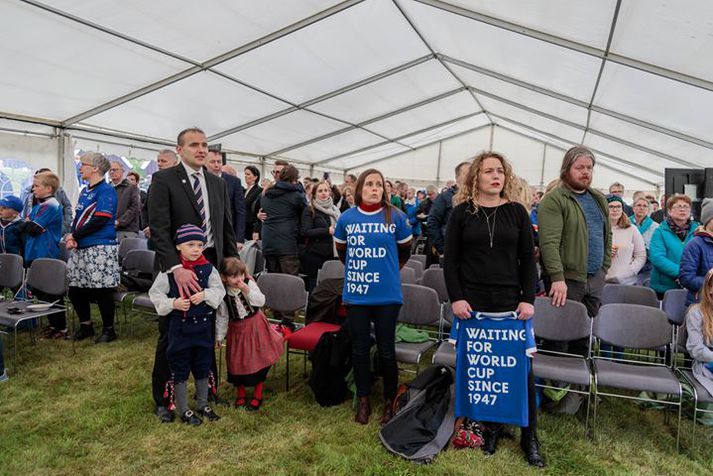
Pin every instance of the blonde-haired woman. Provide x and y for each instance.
(699, 324)
(489, 265)
(628, 247)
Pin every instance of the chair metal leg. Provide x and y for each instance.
(586, 418)
(678, 426)
(287, 370)
(15, 350)
(596, 407)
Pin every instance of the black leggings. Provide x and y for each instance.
(83, 297)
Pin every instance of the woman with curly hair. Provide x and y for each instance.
(489, 265)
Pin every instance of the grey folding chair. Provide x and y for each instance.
(417, 266)
(259, 267)
(129, 244)
(420, 258)
(445, 354)
(434, 279)
(331, 269)
(45, 275)
(12, 272)
(567, 323)
(701, 396)
(408, 275)
(634, 326)
(622, 293)
(136, 261)
(284, 293)
(674, 305)
(420, 308)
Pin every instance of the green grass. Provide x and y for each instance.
(91, 413)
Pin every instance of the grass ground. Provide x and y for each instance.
(91, 413)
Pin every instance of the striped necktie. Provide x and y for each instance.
(199, 196)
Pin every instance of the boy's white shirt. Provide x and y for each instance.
(164, 305)
(256, 299)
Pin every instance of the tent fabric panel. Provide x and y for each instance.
(337, 145)
(451, 107)
(634, 155)
(521, 95)
(583, 21)
(543, 64)
(445, 131)
(459, 149)
(36, 152)
(635, 93)
(417, 165)
(284, 131)
(50, 79)
(570, 133)
(651, 139)
(322, 57)
(523, 151)
(204, 99)
(673, 35)
(358, 159)
(388, 94)
(221, 26)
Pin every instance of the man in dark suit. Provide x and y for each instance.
(236, 195)
(186, 194)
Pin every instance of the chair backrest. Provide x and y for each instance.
(331, 269)
(408, 275)
(283, 292)
(417, 266)
(419, 258)
(48, 276)
(434, 279)
(632, 326)
(259, 263)
(11, 271)
(421, 305)
(139, 260)
(674, 305)
(128, 244)
(566, 323)
(624, 294)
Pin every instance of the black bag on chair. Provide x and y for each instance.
(331, 362)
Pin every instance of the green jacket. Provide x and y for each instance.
(564, 237)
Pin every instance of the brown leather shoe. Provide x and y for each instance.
(388, 412)
(364, 411)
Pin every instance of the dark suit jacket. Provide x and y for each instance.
(172, 204)
(252, 203)
(236, 197)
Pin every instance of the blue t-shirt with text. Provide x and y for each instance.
(372, 263)
(492, 363)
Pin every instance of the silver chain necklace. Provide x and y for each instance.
(491, 231)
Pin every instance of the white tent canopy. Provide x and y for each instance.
(410, 86)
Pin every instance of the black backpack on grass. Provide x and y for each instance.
(424, 420)
(331, 362)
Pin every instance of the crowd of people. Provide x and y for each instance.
(499, 240)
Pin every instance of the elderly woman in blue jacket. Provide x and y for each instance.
(668, 242)
(697, 257)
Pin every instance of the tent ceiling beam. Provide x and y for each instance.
(433, 52)
(363, 124)
(405, 136)
(214, 61)
(615, 16)
(422, 146)
(605, 166)
(561, 139)
(571, 45)
(582, 128)
(577, 102)
(323, 97)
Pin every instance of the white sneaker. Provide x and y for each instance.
(4, 377)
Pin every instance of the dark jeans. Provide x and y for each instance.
(83, 297)
(384, 319)
(589, 294)
(287, 264)
(531, 405)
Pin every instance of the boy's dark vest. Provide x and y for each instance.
(196, 317)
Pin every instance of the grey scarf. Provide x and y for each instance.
(328, 208)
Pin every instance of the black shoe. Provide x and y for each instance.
(83, 332)
(190, 418)
(531, 447)
(164, 415)
(491, 436)
(208, 413)
(108, 335)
